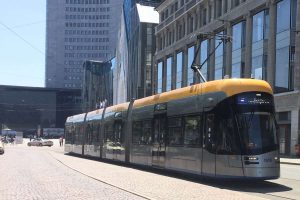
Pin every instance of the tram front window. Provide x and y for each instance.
(256, 126)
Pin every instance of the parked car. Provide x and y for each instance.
(40, 142)
(1, 148)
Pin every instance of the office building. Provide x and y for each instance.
(97, 90)
(76, 31)
(135, 50)
(264, 44)
(27, 109)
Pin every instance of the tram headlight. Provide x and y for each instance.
(251, 158)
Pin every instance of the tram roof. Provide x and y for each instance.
(229, 86)
(117, 108)
(76, 118)
(93, 115)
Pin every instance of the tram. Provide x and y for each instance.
(224, 128)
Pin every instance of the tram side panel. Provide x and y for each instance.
(92, 144)
(228, 152)
(184, 149)
(142, 135)
(114, 138)
(68, 140)
(79, 139)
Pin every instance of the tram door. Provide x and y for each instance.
(159, 141)
(209, 146)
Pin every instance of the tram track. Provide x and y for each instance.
(259, 193)
(101, 181)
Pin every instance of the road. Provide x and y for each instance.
(286, 187)
(34, 174)
(46, 173)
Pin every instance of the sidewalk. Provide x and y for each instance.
(290, 160)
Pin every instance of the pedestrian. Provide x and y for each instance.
(60, 141)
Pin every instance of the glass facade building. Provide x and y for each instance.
(179, 66)
(191, 54)
(23, 109)
(238, 43)
(258, 40)
(219, 57)
(260, 33)
(169, 73)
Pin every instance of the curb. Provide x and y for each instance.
(289, 163)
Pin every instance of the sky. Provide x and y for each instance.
(22, 42)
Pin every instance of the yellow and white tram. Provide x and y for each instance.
(223, 128)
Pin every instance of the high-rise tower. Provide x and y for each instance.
(78, 30)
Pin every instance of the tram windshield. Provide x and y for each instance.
(254, 113)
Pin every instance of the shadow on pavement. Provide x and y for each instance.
(251, 186)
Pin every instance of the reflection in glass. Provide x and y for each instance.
(169, 73)
(175, 131)
(260, 32)
(203, 57)
(192, 131)
(283, 15)
(238, 36)
(179, 63)
(191, 53)
(219, 57)
(282, 69)
(283, 45)
(159, 77)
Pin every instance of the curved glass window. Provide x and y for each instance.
(254, 114)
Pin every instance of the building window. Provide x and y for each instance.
(179, 64)
(219, 57)
(191, 54)
(218, 8)
(204, 16)
(260, 30)
(238, 43)
(203, 58)
(169, 73)
(283, 77)
(159, 77)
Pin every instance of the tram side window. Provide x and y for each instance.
(79, 135)
(147, 132)
(228, 141)
(98, 133)
(87, 133)
(192, 136)
(118, 132)
(68, 135)
(109, 134)
(175, 131)
(137, 129)
(95, 133)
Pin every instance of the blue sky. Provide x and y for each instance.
(21, 63)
